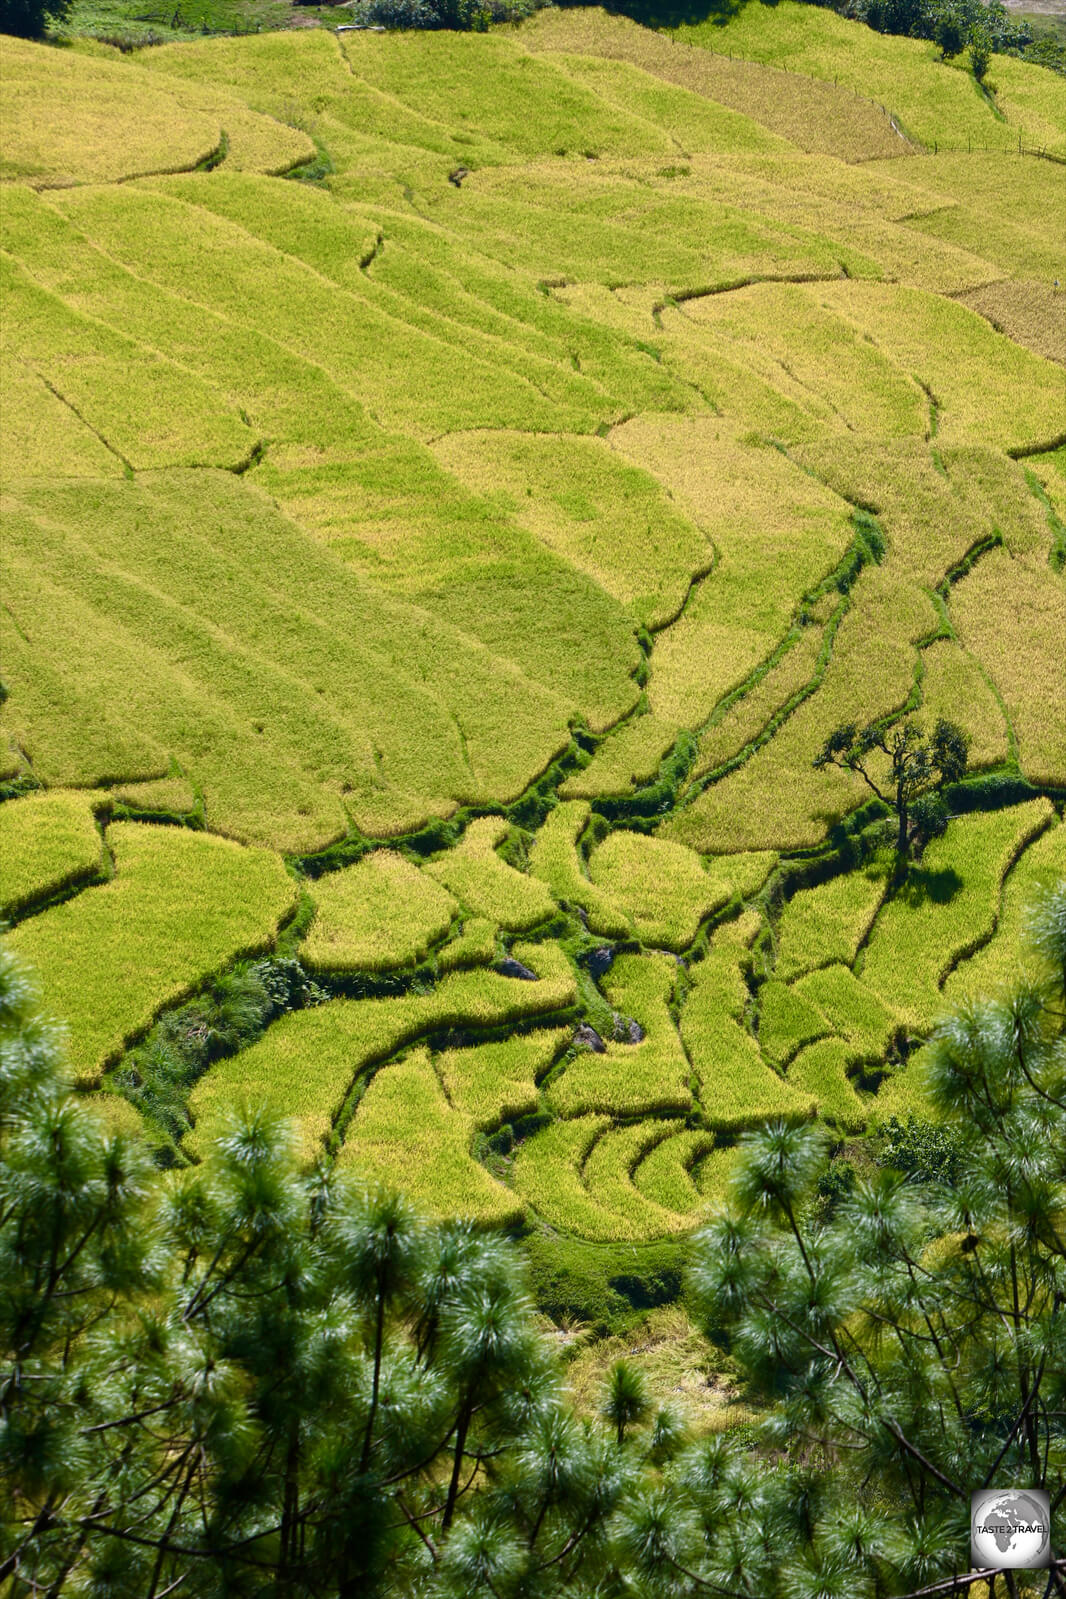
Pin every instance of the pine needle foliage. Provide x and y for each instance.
(915, 1337)
(246, 1378)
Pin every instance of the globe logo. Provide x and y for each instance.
(1010, 1529)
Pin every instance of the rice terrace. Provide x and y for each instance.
(533, 602)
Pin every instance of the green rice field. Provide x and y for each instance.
(453, 484)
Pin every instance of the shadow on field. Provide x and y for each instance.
(925, 886)
(672, 13)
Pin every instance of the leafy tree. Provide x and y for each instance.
(28, 19)
(924, 1150)
(980, 52)
(950, 34)
(919, 768)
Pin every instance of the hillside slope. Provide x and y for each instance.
(404, 426)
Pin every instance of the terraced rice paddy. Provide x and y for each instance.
(378, 914)
(49, 841)
(646, 1076)
(738, 1088)
(76, 119)
(995, 963)
(667, 890)
(466, 550)
(555, 858)
(935, 107)
(486, 885)
(179, 906)
(825, 924)
(914, 945)
(407, 1135)
(309, 1061)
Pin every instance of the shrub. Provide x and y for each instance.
(1047, 51)
(471, 16)
(930, 816)
(926, 1152)
(980, 53)
(397, 14)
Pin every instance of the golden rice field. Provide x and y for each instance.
(452, 486)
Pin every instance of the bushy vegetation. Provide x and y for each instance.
(28, 19)
(477, 15)
(982, 26)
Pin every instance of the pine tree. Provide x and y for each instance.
(245, 1378)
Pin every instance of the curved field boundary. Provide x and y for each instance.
(914, 947)
(647, 1078)
(998, 961)
(579, 1176)
(308, 1062)
(932, 103)
(486, 885)
(406, 1134)
(556, 859)
(50, 844)
(380, 914)
(824, 119)
(180, 906)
